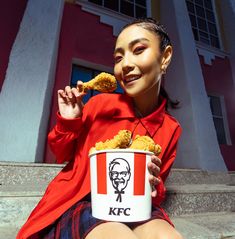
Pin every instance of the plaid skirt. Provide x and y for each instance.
(78, 221)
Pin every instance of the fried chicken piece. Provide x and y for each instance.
(145, 143)
(104, 82)
(119, 141)
(122, 141)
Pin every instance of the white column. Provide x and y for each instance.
(198, 145)
(26, 93)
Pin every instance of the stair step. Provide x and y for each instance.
(26, 173)
(190, 194)
(39, 173)
(8, 232)
(181, 200)
(203, 226)
(196, 176)
(206, 226)
(195, 198)
(16, 209)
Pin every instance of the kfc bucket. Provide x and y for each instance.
(120, 188)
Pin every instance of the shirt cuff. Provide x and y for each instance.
(65, 125)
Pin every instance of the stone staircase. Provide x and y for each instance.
(200, 203)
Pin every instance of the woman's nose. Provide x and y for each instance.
(127, 64)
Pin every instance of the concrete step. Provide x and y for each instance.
(206, 226)
(21, 173)
(199, 198)
(8, 232)
(181, 200)
(191, 195)
(196, 176)
(26, 173)
(16, 203)
(203, 226)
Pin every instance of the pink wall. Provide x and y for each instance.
(82, 36)
(11, 13)
(218, 79)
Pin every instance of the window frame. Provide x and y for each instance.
(90, 66)
(102, 5)
(216, 23)
(108, 16)
(223, 117)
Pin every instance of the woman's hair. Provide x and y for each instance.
(157, 28)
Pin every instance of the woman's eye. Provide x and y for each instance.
(117, 59)
(139, 50)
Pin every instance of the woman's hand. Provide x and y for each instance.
(154, 169)
(70, 102)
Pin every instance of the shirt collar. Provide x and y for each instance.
(151, 122)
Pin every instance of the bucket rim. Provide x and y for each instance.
(121, 151)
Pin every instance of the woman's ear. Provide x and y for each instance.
(166, 58)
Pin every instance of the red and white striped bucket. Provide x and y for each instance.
(120, 188)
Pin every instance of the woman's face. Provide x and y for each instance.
(137, 59)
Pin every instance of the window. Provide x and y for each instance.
(218, 113)
(132, 8)
(203, 22)
(85, 74)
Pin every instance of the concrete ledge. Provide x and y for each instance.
(23, 184)
(193, 199)
(21, 173)
(206, 226)
(196, 176)
(181, 199)
(28, 173)
(15, 210)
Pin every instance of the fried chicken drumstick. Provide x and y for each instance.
(104, 82)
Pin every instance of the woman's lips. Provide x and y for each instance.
(130, 79)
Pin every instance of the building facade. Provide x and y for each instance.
(50, 44)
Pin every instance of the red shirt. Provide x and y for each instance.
(70, 140)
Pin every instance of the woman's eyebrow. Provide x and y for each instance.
(131, 44)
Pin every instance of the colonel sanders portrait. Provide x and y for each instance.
(119, 174)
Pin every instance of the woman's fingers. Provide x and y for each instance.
(154, 170)
(61, 93)
(70, 95)
(80, 87)
(70, 102)
(156, 160)
(154, 181)
(76, 93)
(154, 166)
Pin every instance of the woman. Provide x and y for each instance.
(142, 54)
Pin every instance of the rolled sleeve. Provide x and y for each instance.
(68, 125)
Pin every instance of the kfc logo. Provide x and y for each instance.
(119, 174)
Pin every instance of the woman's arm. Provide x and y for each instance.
(62, 139)
(167, 161)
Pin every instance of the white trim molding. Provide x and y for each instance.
(110, 17)
(209, 53)
(95, 66)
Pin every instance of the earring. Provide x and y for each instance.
(163, 69)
